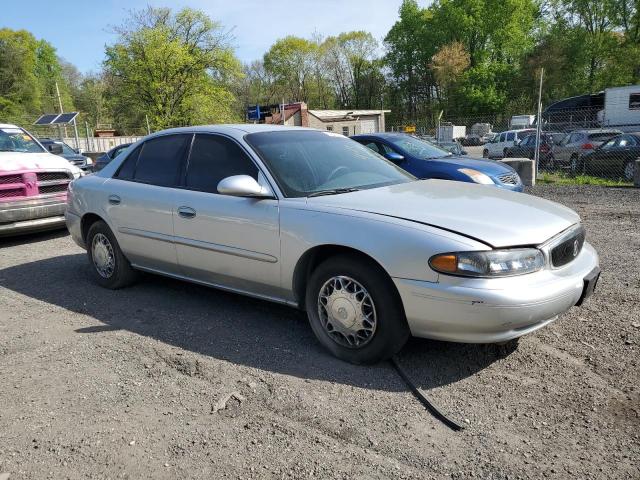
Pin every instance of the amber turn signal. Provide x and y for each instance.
(445, 263)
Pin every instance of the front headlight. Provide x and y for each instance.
(476, 176)
(491, 263)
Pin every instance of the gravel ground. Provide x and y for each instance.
(170, 380)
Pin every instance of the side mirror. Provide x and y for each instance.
(394, 157)
(79, 151)
(55, 148)
(243, 186)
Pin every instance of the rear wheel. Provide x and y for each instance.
(355, 311)
(109, 266)
(576, 166)
(485, 153)
(629, 170)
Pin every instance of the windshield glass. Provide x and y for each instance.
(418, 148)
(304, 162)
(67, 150)
(17, 140)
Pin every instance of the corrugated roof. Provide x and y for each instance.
(327, 114)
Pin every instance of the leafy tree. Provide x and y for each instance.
(176, 68)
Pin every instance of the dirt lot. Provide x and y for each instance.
(171, 380)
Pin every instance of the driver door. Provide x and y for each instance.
(220, 239)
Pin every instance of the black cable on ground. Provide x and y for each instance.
(435, 411)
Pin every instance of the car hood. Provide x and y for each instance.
(497, 217)
(16, 161)
(488, 167)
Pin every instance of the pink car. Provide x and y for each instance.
(33, 183)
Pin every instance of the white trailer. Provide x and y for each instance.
(449, 133)
(622, 108)
(520, 122)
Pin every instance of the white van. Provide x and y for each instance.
(497, 147)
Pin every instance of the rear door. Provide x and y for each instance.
(140, 200)
(220, 239)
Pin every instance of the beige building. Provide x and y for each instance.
(346, 122)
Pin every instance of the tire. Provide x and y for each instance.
(504, 153)
(504, 349)
(576, 166)
(383, 337)
(628, 170)
(100, 243)
(485, 153)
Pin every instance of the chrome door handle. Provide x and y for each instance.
(114, 199)
(186, 212)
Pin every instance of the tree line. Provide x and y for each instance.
(460, 57)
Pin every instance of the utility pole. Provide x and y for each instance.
(536, 153)
(61, 112)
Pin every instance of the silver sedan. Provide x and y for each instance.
(319, 222)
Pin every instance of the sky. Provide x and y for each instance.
(79, 29)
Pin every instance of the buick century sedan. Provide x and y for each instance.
(317, 221)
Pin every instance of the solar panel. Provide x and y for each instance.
(66, 117)
(46, 119)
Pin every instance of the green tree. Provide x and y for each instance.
(176, 68)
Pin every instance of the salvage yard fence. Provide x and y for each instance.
(574, 146)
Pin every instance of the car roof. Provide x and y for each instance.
(8, 125)
(381, 135)
(596, 130)
(232, 129)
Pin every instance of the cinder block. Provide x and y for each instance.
(526, 169)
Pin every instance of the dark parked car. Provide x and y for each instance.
(579, 143)
(452, 147)
(105, 158)
(615, 158)
(527, 147)
(425, 160)
(71, 154)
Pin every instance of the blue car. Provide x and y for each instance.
(425, 160)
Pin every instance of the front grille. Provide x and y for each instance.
(12, 192)
(32, 184)
(5, 179)
(48, 189)
(567, 250)
(509, 178)
(51, 176)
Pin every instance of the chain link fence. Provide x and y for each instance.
(579, 145)
(82, 136)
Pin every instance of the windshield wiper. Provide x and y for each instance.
(333, 191)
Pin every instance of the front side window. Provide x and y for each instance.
(634, 101)
(510, 136)
(214, 158)
(308, 162)
(503, 136)
(160, 159)
(14, 139)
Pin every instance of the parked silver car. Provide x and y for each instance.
(315, 220)
(578, 143)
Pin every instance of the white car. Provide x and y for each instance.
(497, 147)
(315, 220)
(33, 183)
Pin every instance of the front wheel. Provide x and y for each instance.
(355, 311)
(485, 153)
(110, 267)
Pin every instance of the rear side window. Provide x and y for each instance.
(160, 160)
(128, 167)
(214, 158)
(510, 136)
(602, 137)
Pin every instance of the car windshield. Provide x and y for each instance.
(14, 139)
(305, 162)
(67, 150)
(418, 148)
